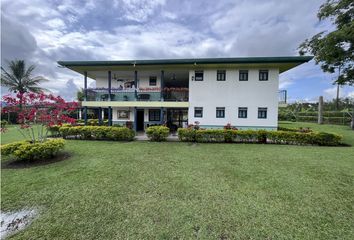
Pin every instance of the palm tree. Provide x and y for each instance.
(19, 79)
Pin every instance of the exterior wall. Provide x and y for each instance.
(131, 118)
(233, 94)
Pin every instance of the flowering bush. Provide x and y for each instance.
(39, 109)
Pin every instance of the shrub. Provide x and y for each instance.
(98, 133)
(186, 134)
(33, 151)
(298, 137)
(3, 123)
(157, 133)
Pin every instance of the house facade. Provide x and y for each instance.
(177, 92)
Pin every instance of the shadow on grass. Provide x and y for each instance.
(19, 164)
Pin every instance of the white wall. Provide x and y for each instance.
(232, 94)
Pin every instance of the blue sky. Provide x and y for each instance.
(43, 32)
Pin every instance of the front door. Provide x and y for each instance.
(140, 120)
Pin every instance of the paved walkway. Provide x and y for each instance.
(143, 137)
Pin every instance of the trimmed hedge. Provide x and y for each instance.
(98, 133)
(259, 136)
(157, 133)
(26, 150)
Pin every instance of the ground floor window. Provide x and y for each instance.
(220, 112)
(198, 112)
(154, 115)
(262, 113)
(242, 112)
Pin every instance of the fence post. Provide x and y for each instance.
(320, 110)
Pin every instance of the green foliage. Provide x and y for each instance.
(3, 123)
(98, 133)
(334, 50)
(25, 150)
(18, 78)
(299, 136)
(186, 134)
(157, 133)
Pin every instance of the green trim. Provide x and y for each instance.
(241, 127)
(135, 104)
(240, 60)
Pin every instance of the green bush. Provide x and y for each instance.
(186, 134)
(26, 150)
(3, 123)
(98, 133)
(298, 137)
(157, 133)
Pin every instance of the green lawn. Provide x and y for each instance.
(143, 190)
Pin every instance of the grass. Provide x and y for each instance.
(144, 190)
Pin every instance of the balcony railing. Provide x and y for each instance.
(143, 94)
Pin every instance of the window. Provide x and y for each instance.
(220, 112)
(262, 113)
(198, 75)
(242, 112)
(221, 75)
(198, 112)
(243, 75)
(154, 115)
(263, 75)
(152, 81)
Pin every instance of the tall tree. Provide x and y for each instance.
(19, 79)
(335, 50)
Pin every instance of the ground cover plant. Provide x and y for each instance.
(166, 190)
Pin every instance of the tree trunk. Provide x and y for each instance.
(352, 123)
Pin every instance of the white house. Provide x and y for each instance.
(178, 92)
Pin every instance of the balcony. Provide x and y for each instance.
(144, 94)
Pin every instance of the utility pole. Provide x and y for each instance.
(337, 99)
(320, 110)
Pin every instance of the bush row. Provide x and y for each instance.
(98, 133)
(258, 136)
(26, 150)
(157, 133)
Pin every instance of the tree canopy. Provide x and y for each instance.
(19, 78)
(334, 50)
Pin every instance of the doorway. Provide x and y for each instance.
(140, 120)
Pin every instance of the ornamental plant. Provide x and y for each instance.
(39, 110)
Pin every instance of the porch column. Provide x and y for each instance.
(162, 84)
(109, 85)
(85, 86)
(100, 116)
(109, 116)
(136, 83)
(135, 122)
(85, 115)
(80, 113)
(161, 116)
(85, 97)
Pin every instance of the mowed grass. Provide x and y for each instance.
(144, 190)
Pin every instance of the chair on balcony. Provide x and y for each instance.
(144, 97)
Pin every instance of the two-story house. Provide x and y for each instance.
(178, 92)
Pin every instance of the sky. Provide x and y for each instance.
(46, 31)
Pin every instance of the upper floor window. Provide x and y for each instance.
(242, 112)
(199, 75)
(220, 112)
(154, 115)
(243, 75)
(198, 112)
(262, 113)
(152, 81)
(263, 75)
(221, 75)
